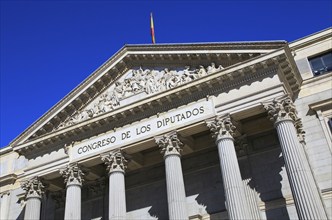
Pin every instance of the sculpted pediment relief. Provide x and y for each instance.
(136, 84)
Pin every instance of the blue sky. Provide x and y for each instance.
(48, 47)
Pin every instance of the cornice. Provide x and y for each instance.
(176, 47)
(311, 39)
(8, 179)
(5, 150)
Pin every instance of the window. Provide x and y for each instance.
(321, 64)
(329, 122)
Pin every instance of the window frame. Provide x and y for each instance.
(320, 56)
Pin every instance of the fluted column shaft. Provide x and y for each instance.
(116, 165)
(176, 196)
(306, 197)
(237, 206)
(73, 202)
(289, 127)
(222, 128)
(34, 190)
(117, 196)
(5, 199)
(73, 178)
(252, 202)
(32, 208)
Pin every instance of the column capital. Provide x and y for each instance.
(34, 188)
(115, 161)
(222, 127)
(169, 144)
(283, 109)
(72, 174)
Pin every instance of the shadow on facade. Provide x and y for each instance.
(21, 215)
(203, 183)
(264, 171)
(146, 196)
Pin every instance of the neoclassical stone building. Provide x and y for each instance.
(183, 131)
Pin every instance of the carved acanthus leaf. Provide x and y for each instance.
(72, 174)
(221, 126)
(115, 161)
(283, 108)
(169, 143)
(33, 187)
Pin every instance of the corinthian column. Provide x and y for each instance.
(116, 165)
(222, 129)
(73, 176)
(171, 147)
(34, 189)
(289, 127)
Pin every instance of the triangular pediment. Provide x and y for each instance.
(138, 72)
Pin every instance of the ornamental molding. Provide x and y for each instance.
(33, 187)
(115, 161)
(222, 126)
(139, 83)
(283, 109)
(72, 174)
(169, 144)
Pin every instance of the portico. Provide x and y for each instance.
(206, 131)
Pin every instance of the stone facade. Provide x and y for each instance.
(192, 131)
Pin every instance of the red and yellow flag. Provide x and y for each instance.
(152, 29)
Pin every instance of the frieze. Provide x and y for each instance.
(136, 81)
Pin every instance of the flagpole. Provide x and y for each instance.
(152, 29)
